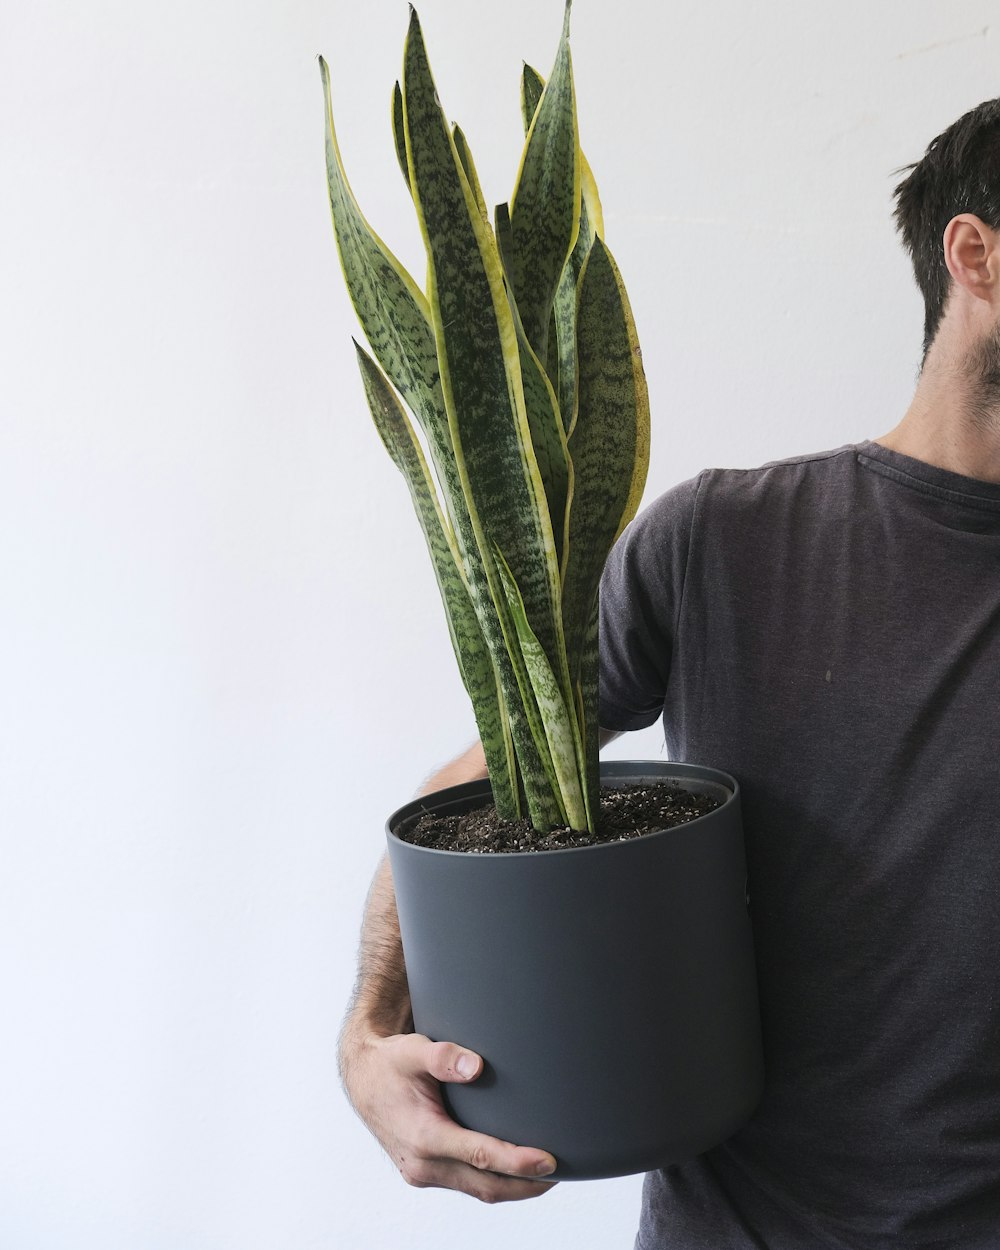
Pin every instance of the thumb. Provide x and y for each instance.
(451, 1063)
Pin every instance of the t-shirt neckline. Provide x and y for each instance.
(928, 478)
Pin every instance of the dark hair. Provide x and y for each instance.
(959, 173)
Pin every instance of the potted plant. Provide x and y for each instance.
(609, 984)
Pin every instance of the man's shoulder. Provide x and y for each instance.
(821, 463)
(818, 476)
(714, 488)
(730, 502)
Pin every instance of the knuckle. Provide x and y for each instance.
(436, 1059)
(445, 1061)
(479, 1157)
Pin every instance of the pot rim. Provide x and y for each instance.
(465, 789)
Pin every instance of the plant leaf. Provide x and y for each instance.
(587, 686)
(559, 722)
(545, 204)
(391, 308)
(469, 169)
(532, 86)
(484, 398)
(609, 444)
(474, 662)
(395, 316)
(397, 132)
(548, 435)
(564, 318)
(561, 363)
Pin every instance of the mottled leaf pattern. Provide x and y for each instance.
(545, 204)
(396, 318)
(558, 718)
(392, 309)
(481, 381)
(587, 686)
(609, 445)
(398, 137)
(473, 657)
(544, 420)
(521, 366)
(469, 169)
(532, 86)
(561, 364)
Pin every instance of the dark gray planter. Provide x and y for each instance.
(611, 990)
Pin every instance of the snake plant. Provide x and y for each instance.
(520, 364)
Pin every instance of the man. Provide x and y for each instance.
(827, 628)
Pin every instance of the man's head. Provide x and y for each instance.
(959, 174)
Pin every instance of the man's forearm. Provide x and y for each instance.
(381, 1001)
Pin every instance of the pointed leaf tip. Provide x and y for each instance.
(569, 5)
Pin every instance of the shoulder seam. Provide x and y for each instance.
(850, 449)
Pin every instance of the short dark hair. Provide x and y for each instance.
(959, 173)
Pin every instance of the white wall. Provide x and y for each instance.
(223, 660)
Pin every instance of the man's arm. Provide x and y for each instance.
(392, 1075)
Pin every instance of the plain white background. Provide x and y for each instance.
(223, 659)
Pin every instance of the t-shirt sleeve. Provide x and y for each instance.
(640, 597)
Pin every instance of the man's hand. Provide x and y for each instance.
(393, 1084)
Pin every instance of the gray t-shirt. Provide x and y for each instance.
(827, 629)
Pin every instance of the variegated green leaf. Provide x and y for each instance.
(396, 318)
(548, 435)
(591, 197)
(561, 364)
(532, 86)
(397, 132)
(558, 719)
(535, 461)
(392, 309)
(587, 685)
(609, 445)
(564, 317)
(481, 382)
(469, 169)
(545, 204)
(474, 662)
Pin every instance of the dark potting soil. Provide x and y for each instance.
(626, 812)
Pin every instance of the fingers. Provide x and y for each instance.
(448, 1141)
(406, 1113)
(485, 1186)
(486, 1168)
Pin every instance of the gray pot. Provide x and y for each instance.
(611, 989)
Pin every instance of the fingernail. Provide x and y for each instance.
(465, 1065)
(545, 1168)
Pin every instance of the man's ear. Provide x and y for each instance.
(972, 254)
